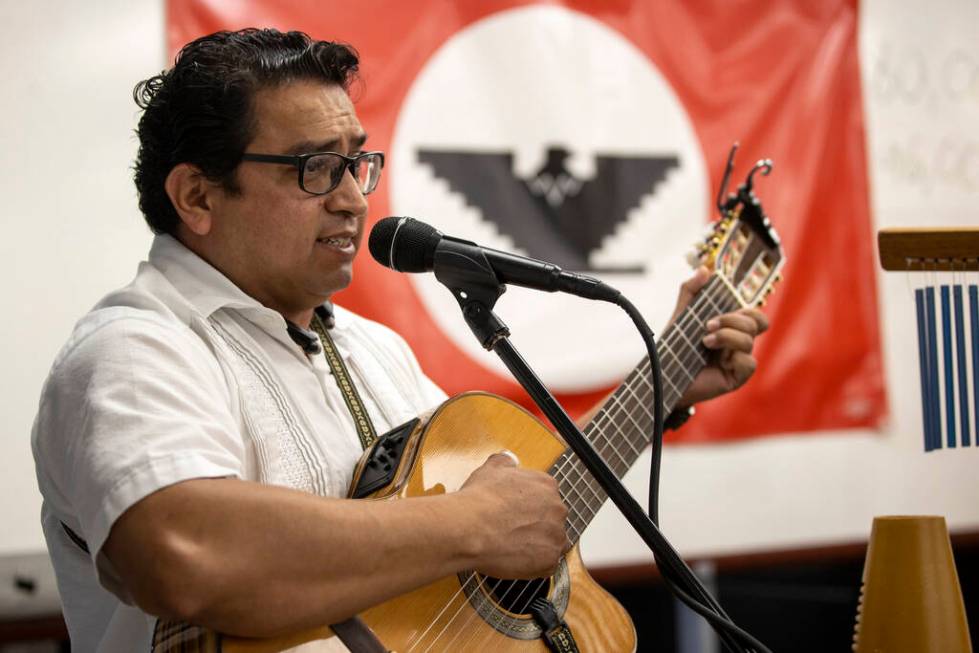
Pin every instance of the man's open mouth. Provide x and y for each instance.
(341, 243)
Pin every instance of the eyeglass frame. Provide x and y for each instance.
(298, 161)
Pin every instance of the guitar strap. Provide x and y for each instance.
(354, 633)
(358, 637)
(322, 319)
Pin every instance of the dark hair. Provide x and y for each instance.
(200, 111)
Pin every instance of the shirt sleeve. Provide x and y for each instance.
(132, 405)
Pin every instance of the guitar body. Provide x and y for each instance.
(457, 613)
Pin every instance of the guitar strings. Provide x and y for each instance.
(690, 351)
(618, 404)
(672, 363)
(537, 585)
(459, 594)
(697, 353)
(563, 471)
(561, 474)
(599, 427)
(459, 632)
(605, 416)
(483, 602)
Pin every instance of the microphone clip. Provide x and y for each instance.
(464, 270)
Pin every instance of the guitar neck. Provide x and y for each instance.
(624, 425)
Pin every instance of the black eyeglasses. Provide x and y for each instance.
(321, 172)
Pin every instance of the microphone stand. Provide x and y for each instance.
(476, 288)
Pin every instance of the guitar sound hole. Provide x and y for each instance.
(515, 596)
(504, 604)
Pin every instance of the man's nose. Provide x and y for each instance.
(347, 197)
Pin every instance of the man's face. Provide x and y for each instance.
(286, 248)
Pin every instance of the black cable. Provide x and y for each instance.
(677, 575)
(675, 572)
(674, 565)
(657, 374)
(717, 621)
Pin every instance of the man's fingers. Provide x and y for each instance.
(730, 339)
(740, 321)
(740, 365)
(691, 287)
(761, 320)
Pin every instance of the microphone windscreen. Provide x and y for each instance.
(404, 244)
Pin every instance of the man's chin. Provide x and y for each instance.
(337, 281)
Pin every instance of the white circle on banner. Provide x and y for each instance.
(522, 83)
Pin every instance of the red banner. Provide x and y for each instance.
(550, 92)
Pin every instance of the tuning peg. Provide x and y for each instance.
(694, 258)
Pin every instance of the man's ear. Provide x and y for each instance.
(190, 192)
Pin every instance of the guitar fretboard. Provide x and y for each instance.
(624, 425)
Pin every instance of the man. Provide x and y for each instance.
(191, 454)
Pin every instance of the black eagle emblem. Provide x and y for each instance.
(552, 215)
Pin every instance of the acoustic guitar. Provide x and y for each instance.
(473, 612)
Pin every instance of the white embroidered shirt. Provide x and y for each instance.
(181, 375)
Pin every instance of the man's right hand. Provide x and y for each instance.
(520, 519)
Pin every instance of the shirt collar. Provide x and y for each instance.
(208, 290)
(199, 282)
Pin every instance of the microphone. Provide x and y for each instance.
(408, 245)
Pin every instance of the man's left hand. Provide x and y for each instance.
(731, 338)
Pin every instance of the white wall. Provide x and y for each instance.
(71, 228)
(72, 231)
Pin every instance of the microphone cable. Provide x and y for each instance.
(677, 575)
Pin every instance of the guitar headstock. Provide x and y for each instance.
(743, 247)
